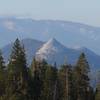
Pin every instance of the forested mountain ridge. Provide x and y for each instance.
(43, 81)
(60, 53)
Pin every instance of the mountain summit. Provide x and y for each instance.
(51, 50)
(52, 46)
(70, 33)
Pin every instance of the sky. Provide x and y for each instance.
(84, 11)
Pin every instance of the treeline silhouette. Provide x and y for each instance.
(42, 81)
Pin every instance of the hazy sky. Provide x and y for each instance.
(85, 11)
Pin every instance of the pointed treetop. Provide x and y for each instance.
(2, 66)
(82, 54)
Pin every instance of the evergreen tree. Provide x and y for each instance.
(2, 76)
(82, 79)
(91, 94)
(97, 94)
(56, 85)
(41, 66)
(71, 83)
(65, 83)
(17, 72)
(50, 84)
(43, 81)
(38, 69)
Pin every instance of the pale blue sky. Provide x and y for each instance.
(84, 11)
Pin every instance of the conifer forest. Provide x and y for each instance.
(42, 81)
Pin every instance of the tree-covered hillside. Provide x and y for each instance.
(42, 81)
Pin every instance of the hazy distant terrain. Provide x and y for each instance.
(69, 33)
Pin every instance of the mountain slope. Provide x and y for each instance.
(54, 51)
(70, 33)
(31, 47)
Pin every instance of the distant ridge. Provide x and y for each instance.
(69, 33)
(54, 51)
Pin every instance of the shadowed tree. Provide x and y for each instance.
(17, 73)
(82, 79)
(2, 75)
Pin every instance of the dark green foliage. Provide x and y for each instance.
(42, 81)
(97, 95)
(17, 73)
(38, 69)
(66, 83)
(2, 75)
(82, 79)
(49, 91)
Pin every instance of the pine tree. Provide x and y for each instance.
(17, 72)
(35, 72)
(97, 95)
(38, 69)
(56, 84)
(91, 94)
(50, 84)
(43, 81)
(65, 82)
(71, 85)
(82, 79)
(40, 66)
(2, 75)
